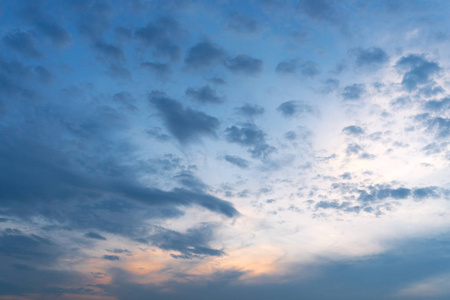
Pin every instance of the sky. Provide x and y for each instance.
(259, 149)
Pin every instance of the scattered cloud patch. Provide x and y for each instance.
(237, 161)
(295, 108)
(244, 64)
(185, 124)
(250, 136)
(369, 57)
(353, 130)
(418, 70)
(204, 94)
(353, 92)
(203, 55)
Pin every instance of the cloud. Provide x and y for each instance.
(293, 66)
(426, 192)
(353, 149)
(440, 125)
(158, 68)
(204, 94)
(382, 192)
(248, 135)
(242, 24)
(95, 236)
(353, 130)
(45, 24)
(57, 34)
(111, 257)
(93, 18)
(186, 124)
(418, 70)
(244, 64)
(309, 69)
(120, 251)
(34, 248)
(191, 182)
(44, 75)
(109, 52)
(160, 37)
(438, 105)
(353, 92)
(295, 108)
(250, 110)
(237, 161)
(51, 179)
(287, 66)
(192, 243)
(23, 43)
(322, 10)
(203, 55)
(369, 57)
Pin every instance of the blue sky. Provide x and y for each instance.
(224, 149)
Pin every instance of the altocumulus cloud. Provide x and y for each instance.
(224, 150)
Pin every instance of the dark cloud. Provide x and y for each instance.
(366, 155)
(109, 52)
(120, 251)
(244, 64)
(293, 66)
(242, 24)
(186, 124)
(353, 149)
(399, 193)
(23, 43)
(248, 135)
(438, 105)
(353, 130)
(34, 175)
(204, 94)
(158, 68)
(237, 161)
(369, 57)
(123, 34)
(93, 18)
(191, 244)
(418, 71)
(218, 81)
(190, 181)
(295, 108)
(95, 236)
(430, 91)
(291, 135)
(383, 192)
(125, 99)
(322, 10)
(111, 257)
(309, 69)
(118, 71)
(346, 175)
(36, 249)
(343, 206)
(353, 92)
(45, 24)
(426, 192)
(44, 75)
(440, 125)
(203, 55)
(160, 35)
(330, 85)
(400, 102)
(287, 66)
(250, 110)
